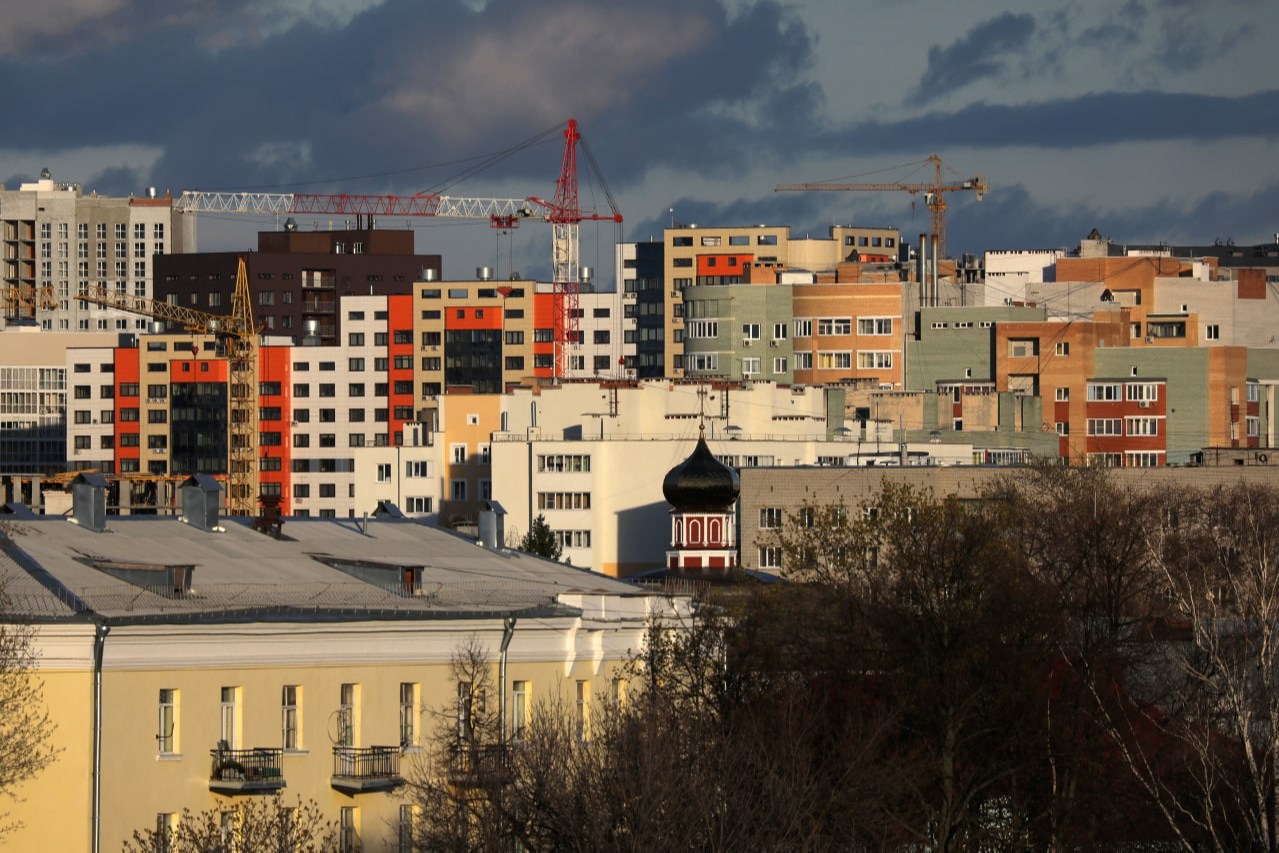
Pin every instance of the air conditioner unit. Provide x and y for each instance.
(746, 342)
(775, 344)
(1143, 404)
(630, 294)
(1150, 339)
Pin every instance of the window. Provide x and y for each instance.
(417, 468)
(404, 841)
(1063, 348)
(289, 716)
(770, 517)
(328, 390)
(1104, 393)
(348, 829)
(1063, 395)
(457, 452)
(1105, 426)
(702, 329)
(750, 366)
(457, 490)
(875, 326)
(582, 711)
(835, 326)
(750, 331)
(770, 557)
(230, 717)
(803, 328)
(1212, 332)
(875, 360)
(1147, 392)
(167, 734)
(346, 715)
(384, 472)
(408, 714)
(328, 490)
(1063, 428)
(563, 462)
(563, 500)
(519, 709)
(1141, 426)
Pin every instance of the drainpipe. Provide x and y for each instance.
(99, 643)
(508, 631)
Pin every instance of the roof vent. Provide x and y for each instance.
(89, 501)
(200, 502)
(492, 526)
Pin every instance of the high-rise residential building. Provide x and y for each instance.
(298, 278)
(58, 241)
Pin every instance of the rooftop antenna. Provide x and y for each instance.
(701, 411)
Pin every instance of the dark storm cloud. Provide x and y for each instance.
(1094, 119)
(406, 84)
(983, 52)
(1008, 219)
(1013, 219)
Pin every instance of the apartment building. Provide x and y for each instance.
(195, 666)
(35, 382)
(710, 257)
(297, 278)
(338, 428)
(58, 241)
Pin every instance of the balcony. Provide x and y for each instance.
(317, 306)
(473, 766)
(357, 769)
(246, 771)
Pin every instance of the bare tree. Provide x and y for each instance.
(264, 825)
(1218, 555)
(26, 729)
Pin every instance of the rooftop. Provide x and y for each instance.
(332, 569)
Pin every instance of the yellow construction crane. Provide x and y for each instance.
(934, 194)
(240, 338)
(28, 298)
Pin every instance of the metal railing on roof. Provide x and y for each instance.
(351, 596)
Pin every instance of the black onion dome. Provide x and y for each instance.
(701, 482)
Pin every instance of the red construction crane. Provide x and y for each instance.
(934, 194)
(564, 214)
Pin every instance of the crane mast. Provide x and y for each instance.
(934, 193)
(240, 338)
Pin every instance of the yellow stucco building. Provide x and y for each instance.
(193, 663)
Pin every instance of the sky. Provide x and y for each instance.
(1147, 119)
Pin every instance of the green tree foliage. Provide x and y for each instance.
(540, 540)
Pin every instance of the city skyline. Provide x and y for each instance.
(1150, 121)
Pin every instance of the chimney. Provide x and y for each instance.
(89, 501)
(200, 502)
(493, 526)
